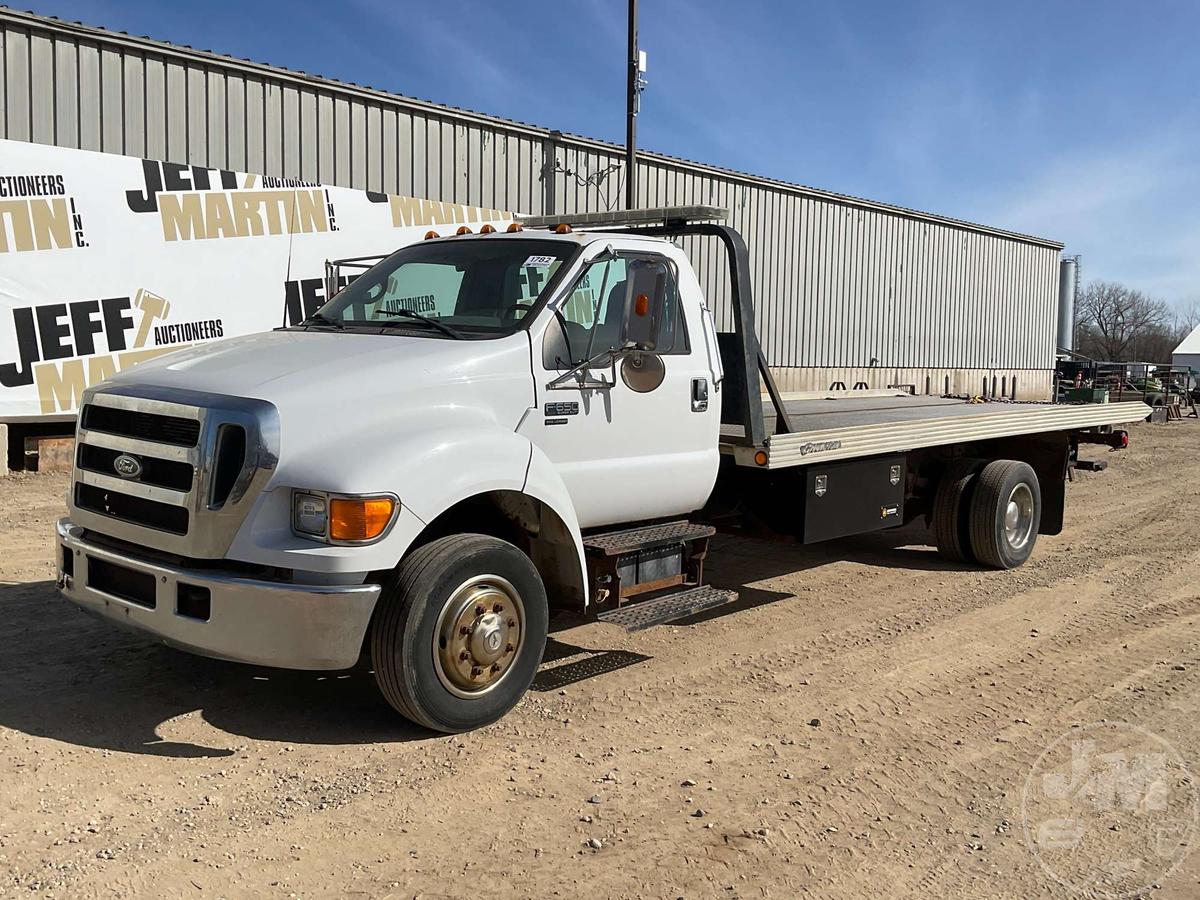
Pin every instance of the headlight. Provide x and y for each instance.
(310, 514)
(340, 519)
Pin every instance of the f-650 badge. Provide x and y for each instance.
(819, 446)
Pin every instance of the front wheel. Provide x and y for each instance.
(459, 632)
(1006, 512)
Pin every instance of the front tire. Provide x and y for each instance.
(459, 632)
(1006, 511)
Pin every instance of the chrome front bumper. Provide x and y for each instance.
(263, 622)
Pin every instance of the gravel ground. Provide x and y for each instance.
(868, 721)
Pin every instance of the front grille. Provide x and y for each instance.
(141, 425)
(168, 473)
(195, 464)
(128, 584)
(137, 510)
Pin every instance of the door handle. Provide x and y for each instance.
(699, 394)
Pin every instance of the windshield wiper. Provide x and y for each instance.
(322, 319)
(420, 317)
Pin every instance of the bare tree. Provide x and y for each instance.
(1187, 316)
(1121, 324)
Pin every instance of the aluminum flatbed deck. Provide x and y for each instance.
(840, 427)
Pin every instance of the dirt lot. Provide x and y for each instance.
(864, 724)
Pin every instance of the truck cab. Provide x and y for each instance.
(446, 429)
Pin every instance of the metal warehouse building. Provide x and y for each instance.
(848, 290)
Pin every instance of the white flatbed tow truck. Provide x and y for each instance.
(482, 427)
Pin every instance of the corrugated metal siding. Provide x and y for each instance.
(839, 282)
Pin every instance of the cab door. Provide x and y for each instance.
(634, 435)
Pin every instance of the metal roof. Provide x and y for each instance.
(1190, 344)
(148, 45)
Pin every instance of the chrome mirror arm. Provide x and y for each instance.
(564, 381)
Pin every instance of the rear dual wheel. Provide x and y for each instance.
(951, 508)
(459, 632)
(1006, 510)
(988, 515)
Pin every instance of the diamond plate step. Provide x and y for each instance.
(668, 608)
(615, 543)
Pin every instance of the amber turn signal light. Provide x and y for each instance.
(359, 518)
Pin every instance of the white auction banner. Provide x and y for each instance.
(107, 260)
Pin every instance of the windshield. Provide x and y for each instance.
(471, 288)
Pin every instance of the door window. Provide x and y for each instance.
(600, 313)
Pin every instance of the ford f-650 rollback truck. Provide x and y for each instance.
(483, 426)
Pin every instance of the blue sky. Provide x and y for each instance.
(1071, 120)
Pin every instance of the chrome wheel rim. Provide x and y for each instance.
(1018, 516)
(478, 636)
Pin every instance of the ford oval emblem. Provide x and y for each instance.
(127, 466)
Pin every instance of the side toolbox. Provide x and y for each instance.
(853, 496)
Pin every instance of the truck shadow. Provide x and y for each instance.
(564, 663)
(741, 559)
(76, 679)
(738, 561)
(72, 678)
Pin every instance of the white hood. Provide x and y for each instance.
(258, 365)
(302, 368)
(339, 392)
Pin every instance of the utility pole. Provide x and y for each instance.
(637, 65)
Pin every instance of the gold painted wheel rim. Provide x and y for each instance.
(478, 636)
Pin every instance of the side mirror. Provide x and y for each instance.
(645, 302)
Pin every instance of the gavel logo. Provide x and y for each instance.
(153, 308)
